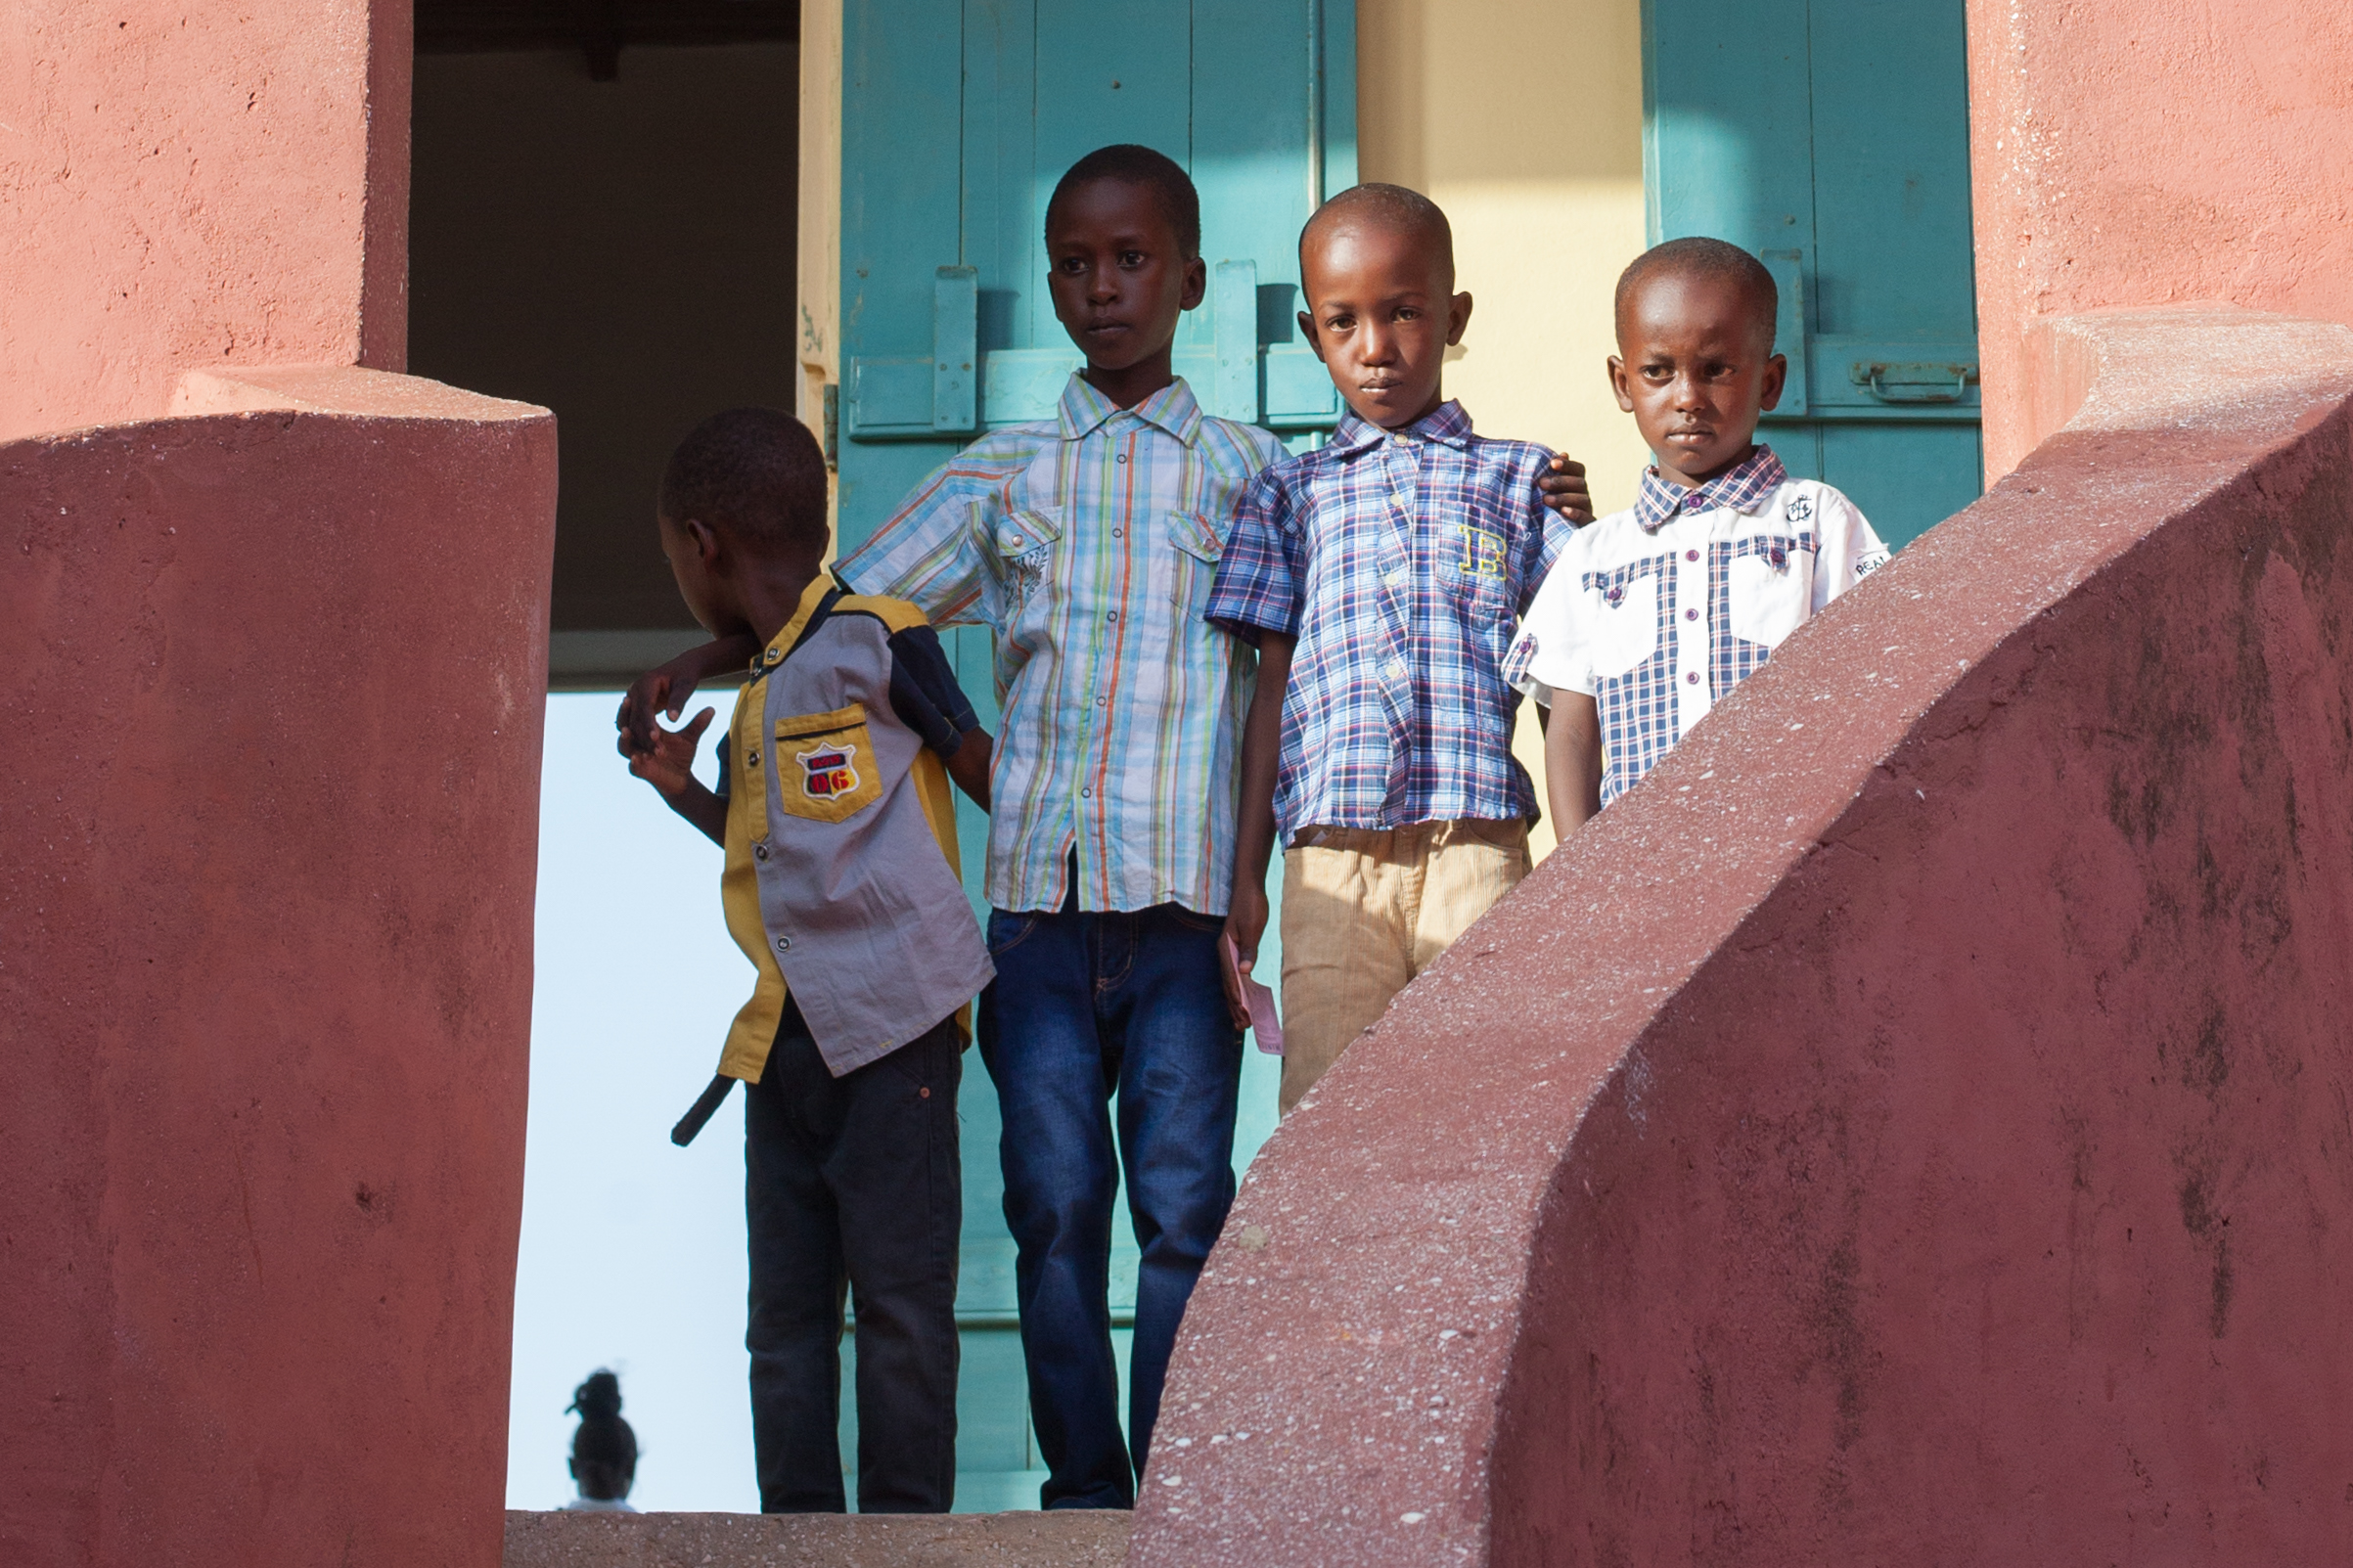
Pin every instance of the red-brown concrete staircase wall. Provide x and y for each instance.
(1913, 1125)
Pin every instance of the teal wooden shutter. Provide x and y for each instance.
(957, 119)
(1831, 137)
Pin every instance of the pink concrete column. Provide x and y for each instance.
(1908, 1127)
(2139, 152)
(274, 699)
(187, 187)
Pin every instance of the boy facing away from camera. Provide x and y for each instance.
(1653, 614)
(1380, 577)
(840, 885)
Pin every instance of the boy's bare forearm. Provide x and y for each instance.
(721, 655)
(1261, 757)
(1573, 762)
(703, 809)
(968, 767)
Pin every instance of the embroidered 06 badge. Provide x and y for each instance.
(828, 773)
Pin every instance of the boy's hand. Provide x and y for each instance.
(665, 689)
(1245, 923)
(669, 763)
(1563, 486)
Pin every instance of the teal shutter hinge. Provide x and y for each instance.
(906, 399)
(1233, 389)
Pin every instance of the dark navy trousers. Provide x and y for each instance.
(853, 1183)
(1086, 1008)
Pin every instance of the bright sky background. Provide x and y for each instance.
(632, 1251)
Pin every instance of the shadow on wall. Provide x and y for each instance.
(1910, 1123)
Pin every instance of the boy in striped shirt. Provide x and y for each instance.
(1088, 543)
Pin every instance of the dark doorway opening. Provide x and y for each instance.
(602, 220)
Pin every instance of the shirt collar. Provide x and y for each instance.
(810, 598)
(1083, 408)
(1448, 425)
(1739, 488)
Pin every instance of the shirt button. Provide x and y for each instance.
(1693, 678)
(1111, 615)
(1117, 534)
(1102, 701)
(1691, 614)
(1086, 794)
(759, 852)
(1120, 458)
(1690, 555)
(784, 944)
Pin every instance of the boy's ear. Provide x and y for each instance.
(1307, 330)
(1776, 375)
(1458, 317)
(704, 538)
(1617, 385)
(1196, 283)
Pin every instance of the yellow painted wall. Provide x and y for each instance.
(818, 309)
(1522, 118)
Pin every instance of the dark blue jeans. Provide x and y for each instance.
(1083, 1007)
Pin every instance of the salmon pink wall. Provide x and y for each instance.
(188, 186)
(275, 694)
(2136, 152)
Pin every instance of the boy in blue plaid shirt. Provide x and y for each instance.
(1380, 577)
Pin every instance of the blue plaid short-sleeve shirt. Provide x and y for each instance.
(1401, 561)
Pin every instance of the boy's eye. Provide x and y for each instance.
(1131, 259)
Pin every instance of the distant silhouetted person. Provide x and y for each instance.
(604, 1449)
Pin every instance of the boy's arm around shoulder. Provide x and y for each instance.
(1562, 489)
(935, 551)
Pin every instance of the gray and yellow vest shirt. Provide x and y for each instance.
(842, 880)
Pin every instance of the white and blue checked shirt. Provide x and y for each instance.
(1400, 561)
(1657, 613)
(1088, 543)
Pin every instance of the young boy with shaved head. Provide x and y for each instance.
(1380, 577)
(1653, 614)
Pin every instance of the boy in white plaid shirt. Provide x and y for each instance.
(1653, 614)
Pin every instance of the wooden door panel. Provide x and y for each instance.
(1830, 138)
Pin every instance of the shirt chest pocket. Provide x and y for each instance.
(1476, 563)
(1026, 544)
(824, 765)
(1625, 625)
(1196, 549)
(1769, 589)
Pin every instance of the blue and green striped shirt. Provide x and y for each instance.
(1089, 544)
